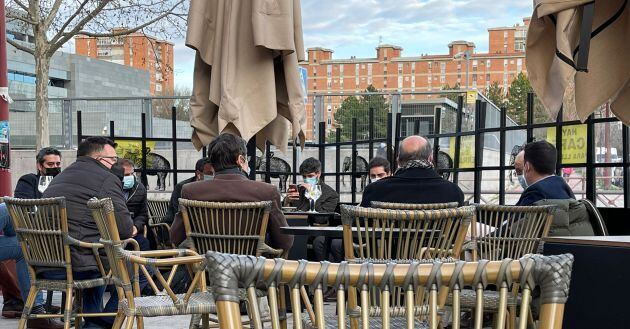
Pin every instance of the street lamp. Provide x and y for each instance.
(465, 55)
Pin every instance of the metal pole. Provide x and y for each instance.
(5, 151)
(467, 57)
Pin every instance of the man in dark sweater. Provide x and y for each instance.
(415, 181)
(48, 164)
(310, 169)
(203, 171)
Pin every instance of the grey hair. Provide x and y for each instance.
(424, 153)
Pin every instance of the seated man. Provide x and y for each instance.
(310, 169)
(48, 164)
(415, 181)
(518, 168)
(10, 249)
(379, 168)
(92, 175)
(544, 187)
(228, 156)
(136, 197)
(203, 171)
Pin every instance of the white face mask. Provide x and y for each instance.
(376, 179)
(522, 181)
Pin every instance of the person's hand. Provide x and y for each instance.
(307, 186)
(134, 231)
(293, 195)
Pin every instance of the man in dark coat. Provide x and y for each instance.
(228, 156)
(203, 171)
(48, 162)
(310, 169)
(415, 181)
(136, 196)
(94, 174)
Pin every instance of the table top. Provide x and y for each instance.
(607, 241)
(327, 231)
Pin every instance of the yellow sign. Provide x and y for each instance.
(131, 150)
(471, 97)
(466, 151)
(573, 143)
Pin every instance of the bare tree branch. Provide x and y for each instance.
(68, 21)
(21, 47)
(125, 31)
(19, 3)
(21, 18)
(67, 36)
(53, 13)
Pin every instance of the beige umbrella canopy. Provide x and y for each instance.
(553, 56)
(246, 78)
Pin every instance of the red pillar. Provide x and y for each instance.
(5, 174)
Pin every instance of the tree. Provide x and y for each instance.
(517, 102)
(181, 105)
(495, 94)
(54, 23)
(359, 107)
(453, 97)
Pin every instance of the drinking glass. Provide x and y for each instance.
(313, 194)
(44, 181)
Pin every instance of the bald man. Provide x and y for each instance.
(415, 181)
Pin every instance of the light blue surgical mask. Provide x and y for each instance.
(208, 177)
(522, 181)
(311, 180)
(128, 182)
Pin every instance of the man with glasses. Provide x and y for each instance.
(96, 173)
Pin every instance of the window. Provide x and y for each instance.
(442, 79)
(488, 78)
(442, 67)
(430, 66)
(369, 69)
(413, 82)
(429, 79)
(519, 65)
(400, 68)
(328, 70)
(505, 62)
(488, 63)
(329, 83)
(474, 78)
(341, 70)
(158, 87)
(505, 34)
(413, 68)
(474, 63)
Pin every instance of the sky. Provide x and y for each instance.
(354, 27)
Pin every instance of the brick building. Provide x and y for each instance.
(391, 72)
(136, 50)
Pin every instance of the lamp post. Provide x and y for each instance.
(465, 55)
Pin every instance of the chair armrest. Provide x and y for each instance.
(166, 226)
(87, 245)
(166, 253)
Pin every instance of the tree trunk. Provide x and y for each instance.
(42, 67)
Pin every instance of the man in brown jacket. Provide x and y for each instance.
(228, 156)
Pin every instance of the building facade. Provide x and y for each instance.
(137, 50)
(389, 71)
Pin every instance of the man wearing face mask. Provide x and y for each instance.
(228, 156)
(96, 173)
(310, 170)
(379, 168)
(48, 162)
(136, 196)
(519, 162)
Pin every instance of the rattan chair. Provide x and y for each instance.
(161, 230)
(41, 226)
(197, 300)
(413, 206)
(500, 232)
(229, 272)
(398, 235)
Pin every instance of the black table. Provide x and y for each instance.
(598, 295)
(314, 218)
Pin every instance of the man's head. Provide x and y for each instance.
(379, 168)
(129, 180)
(100, 148)
(519, 162)
(228, 151)
(311, 169)
(414, 148)
(203, 168)
(48, 161)
(539, 160)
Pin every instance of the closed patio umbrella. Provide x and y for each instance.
(553, 56)
(246, 78)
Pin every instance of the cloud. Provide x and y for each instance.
(354, 27)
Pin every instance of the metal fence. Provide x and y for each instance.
(479, 139)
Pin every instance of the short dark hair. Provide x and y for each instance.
(44, 152)
(380, 162)
(224, 151)
(202, 163)
(542, 155)
(310, 165)
(93, 145)
(126, 162)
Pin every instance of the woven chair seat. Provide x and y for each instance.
(162, 305)
(374, 322)
(468, 298)
(61, 285)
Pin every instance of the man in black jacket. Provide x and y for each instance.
(203, 171)
(92, 175)
(415, 181)
(136, 196)
(310, 169)
(48, 164)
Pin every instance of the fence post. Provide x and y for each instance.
(396, 139)
(370, 133)
(66, 125)
(148, 110)
(143, 125)
(437, 127)
(559, 127)
(112, 134)
(251, 153)
(79, 128)
(395, 126)
(479, 142)
(389, 145)
(530, 117)
(458, 138)
(353, 182)
(322, 148)
(625, 139)
(590, 159)
(294, 161)
(318, 112)
(502, 124)
(267, 162)
(338, 159)
(174, 136)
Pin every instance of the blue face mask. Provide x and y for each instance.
(311, 180)
(128, 182)
(208, 177)
(522, 181)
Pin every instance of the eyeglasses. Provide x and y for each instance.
(115, 158)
